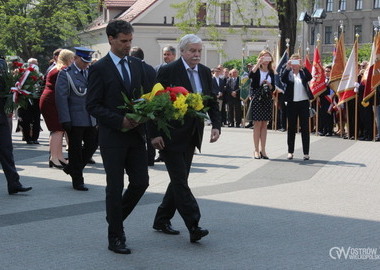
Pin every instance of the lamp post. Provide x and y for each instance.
(348, 20)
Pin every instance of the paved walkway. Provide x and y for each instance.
(262, 214)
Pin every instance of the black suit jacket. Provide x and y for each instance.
(218, 88)
(289, 89)
(191, 131)
(105, 86)
(255, 83)
(230, 88)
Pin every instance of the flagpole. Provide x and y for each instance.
(317, 101)
(356, 100)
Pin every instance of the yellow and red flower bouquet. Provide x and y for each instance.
(163, 105)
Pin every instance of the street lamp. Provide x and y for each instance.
(314, 19)
(345, 15)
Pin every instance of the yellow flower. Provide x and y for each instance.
(195, 101)
(149, 96)
(181, 107)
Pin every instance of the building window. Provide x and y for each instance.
(358, 30)
(202, 14)
(329, 5)
(376, 4)
(225, 14)
(342, 4)
(328, 35)
(358, 4)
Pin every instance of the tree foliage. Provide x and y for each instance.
(34, 28)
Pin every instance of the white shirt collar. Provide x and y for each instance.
(187, 66)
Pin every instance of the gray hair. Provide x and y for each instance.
(169, 49)
(188, 39)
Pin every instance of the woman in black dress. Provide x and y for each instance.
(261, 74)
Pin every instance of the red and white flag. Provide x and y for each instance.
(348, 83)
(368, 73)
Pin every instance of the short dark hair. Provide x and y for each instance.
(137, 52)
(115, 27)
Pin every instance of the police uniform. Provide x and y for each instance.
(70, 95)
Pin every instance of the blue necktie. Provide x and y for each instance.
(127, 81)
(192, 80)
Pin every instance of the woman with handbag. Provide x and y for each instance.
(262, 86)
(297, 95)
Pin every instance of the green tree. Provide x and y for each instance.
(286, 11)
(34, 28)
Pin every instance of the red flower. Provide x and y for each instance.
(21, 70)
(34, 78)
(17, 64)
(178, 90)
(31, 69)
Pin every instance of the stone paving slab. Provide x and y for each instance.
(262, 214)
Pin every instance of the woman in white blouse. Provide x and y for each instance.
(297, 95)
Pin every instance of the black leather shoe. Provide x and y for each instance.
(166, 228)
(197, 233)
(20, 188)
(249, 125)
(231, 125)
(81, 187)
(117, 245)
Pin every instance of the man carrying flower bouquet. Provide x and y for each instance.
(121, 150)
(6, 147)
(178, 148)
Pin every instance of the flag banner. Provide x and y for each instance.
(318, 82)
(279, 69)
(375, 79)
(338, 63)
(368, 73)
(348, 83)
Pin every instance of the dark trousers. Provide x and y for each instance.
(178, 195)
(6, 153)
(234, 111)
(366, 121)
(223, 111)
(80, 155)
(325, 119)
(30, 121)
(132, 160)
(294, 111)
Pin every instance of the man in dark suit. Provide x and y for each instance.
(70, 98)
(151, 77)
(178, 151)
(6, 147)
(218, 86)
(233, 99)
(120, 150)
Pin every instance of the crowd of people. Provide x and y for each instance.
(81, 101)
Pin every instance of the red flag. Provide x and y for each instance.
(308, 63)
(368, 73)
(318, 82)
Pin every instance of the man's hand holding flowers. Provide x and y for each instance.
(163, 105)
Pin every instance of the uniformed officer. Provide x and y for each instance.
(70, 95)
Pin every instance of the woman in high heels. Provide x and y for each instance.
(261, 74)
(49, 110)
(297, 95)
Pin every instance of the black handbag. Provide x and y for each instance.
(264, 92)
